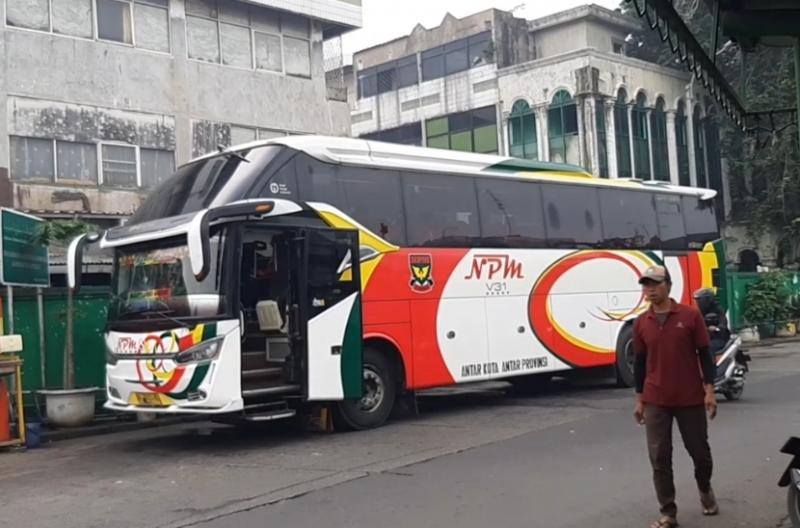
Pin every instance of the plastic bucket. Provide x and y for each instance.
(33, 434)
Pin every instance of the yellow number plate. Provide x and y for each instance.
(149, 399)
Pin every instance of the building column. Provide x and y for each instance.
(630, 139)
(592, 136)
(705, 151)
(690, 142)
(672, 148)
(503, 147)
(650, 142)
(542, 133)
(611, 138)
(579, 107)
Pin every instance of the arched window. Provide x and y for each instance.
(700, 148)
(522, 132)
(683, 145)
(562, 125)
(641, 146)
(622, 134)
(660, 153)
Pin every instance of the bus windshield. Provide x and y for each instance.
(156, 282)
(218, 180)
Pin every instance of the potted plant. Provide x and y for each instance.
(767, 304)
(68, 406)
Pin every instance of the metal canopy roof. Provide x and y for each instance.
(749, 23)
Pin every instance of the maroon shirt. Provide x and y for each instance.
(673, 377)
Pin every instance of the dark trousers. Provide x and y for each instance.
(694, 431)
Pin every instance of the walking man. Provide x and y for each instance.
(674, 373)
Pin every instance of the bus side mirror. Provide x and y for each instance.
(197, 238)
(75, 258)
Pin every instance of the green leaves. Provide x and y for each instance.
(768, 299)
(61, 232)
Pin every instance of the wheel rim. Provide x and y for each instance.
(374, 390)
(796, 502)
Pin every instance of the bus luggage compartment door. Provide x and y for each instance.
(326, 323)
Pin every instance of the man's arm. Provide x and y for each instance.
(639, 372)
(701, 343)
(707, 365)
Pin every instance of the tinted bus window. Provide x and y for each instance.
(282, 183)
(511, 213)
(207, 183)
(670, 222)
(440, 210)
(572, 216)
(629, 219)
(371, 196)
(700, 220)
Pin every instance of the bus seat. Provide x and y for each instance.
(269, 316)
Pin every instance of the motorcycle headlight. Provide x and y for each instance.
(205, 351)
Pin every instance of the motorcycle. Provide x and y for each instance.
(791, 479)
(730, 359)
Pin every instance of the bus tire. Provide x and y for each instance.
(380, 392)
(624, 364)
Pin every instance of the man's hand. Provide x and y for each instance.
(638, 410)
(710, 401)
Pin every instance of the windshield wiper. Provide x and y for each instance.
(225, 151)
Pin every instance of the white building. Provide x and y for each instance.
(559, 88)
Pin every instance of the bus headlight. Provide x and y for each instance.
(205, 351)
(111, 359)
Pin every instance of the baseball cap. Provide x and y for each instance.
(654, 274)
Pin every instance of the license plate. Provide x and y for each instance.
(149, 399)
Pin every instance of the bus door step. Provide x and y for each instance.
(270, 415)
(268, 391)
(265, 412)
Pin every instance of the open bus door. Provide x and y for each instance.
(325, 328)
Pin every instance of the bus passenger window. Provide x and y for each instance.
(511, 213)
(701, 221)
(441, 210)
(670, 222)
(572, 216)
(370, 196)
(629, 219)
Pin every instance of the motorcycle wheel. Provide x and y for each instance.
(733, 394)
(793, 501)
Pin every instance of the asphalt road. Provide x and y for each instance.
(568, 457)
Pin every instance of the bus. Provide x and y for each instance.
(303, 271)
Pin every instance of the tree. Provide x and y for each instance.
(59, 233)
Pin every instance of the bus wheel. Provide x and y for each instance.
(380, 391)
(625, 357)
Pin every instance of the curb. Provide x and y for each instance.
(114, 426)
(771, 342)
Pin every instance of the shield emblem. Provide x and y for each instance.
(421, 267)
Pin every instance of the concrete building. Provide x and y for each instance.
(101, 99)
(559, 88)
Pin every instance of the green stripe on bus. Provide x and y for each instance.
(209, 331)
(520, 165)
(352, 355)
(197, 378)
(654, 257)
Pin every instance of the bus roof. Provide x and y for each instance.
(361, 152)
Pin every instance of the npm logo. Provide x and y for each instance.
(494, 267)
